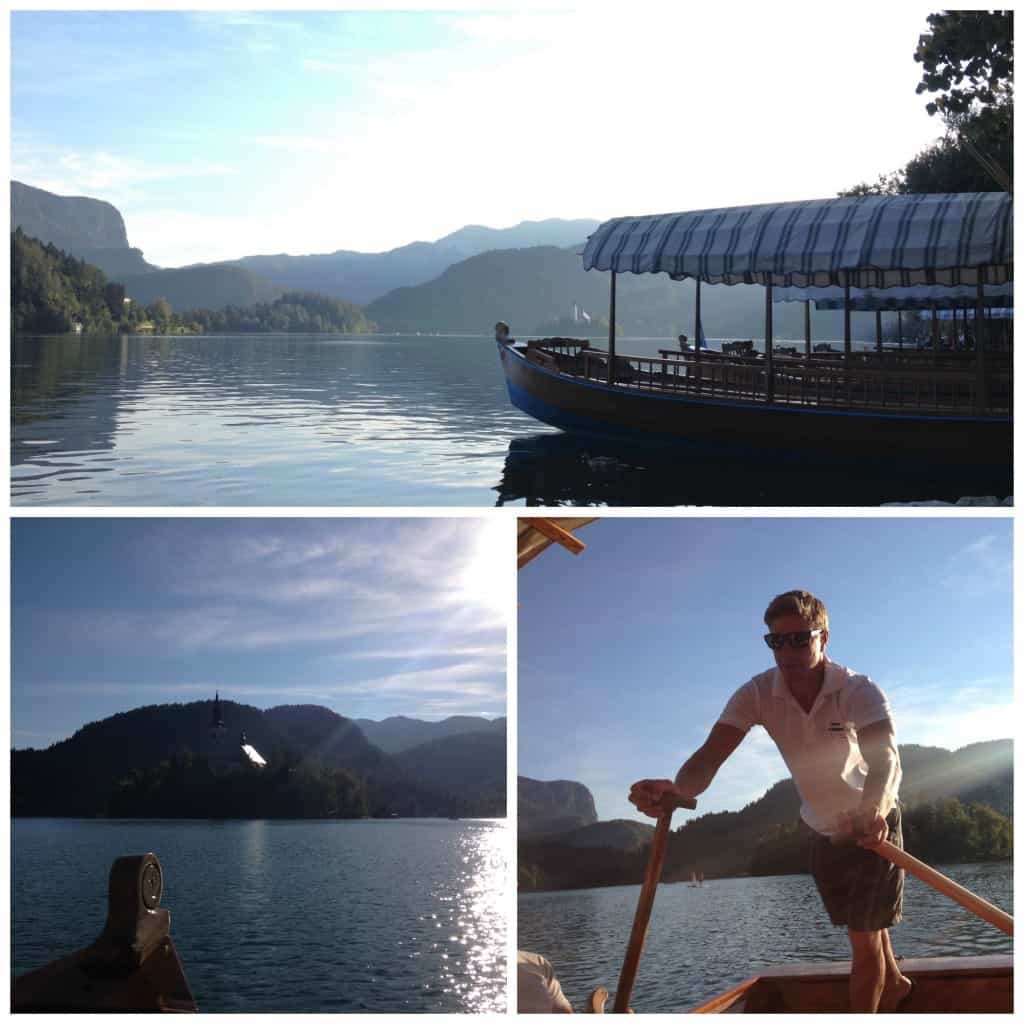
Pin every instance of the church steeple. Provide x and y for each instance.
(217, 728)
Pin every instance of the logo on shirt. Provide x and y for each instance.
(836, 727)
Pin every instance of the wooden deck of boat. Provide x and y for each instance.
(975, 984)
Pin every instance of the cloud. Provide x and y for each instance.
(980, 568)
(103, 175)
(951, 715)
(416, 654)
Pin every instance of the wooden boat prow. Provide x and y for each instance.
(132, 966)
(954, 984)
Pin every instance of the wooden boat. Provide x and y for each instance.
(956, 984)
(132, 966)
(834, 405)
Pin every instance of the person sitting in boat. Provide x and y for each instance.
(834, 730)
(501, 333)
(684, 343)
(537, 988)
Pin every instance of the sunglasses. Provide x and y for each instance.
(776, 641)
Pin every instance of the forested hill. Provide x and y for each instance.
(399, 732)
(54, 293)
(152, 761)
(209, 287)
(530, 288)
(958, 806)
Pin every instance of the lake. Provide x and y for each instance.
(704, 940)
(405, 916)
(296, 420)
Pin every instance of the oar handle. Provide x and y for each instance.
(638, 935)
(652, 876)
(985, 910)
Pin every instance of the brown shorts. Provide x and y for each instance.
(861, 890)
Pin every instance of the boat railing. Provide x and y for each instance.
(815, 383)
(888, 358)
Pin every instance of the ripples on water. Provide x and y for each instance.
(398, 916)
(704, 940)
(315, 420)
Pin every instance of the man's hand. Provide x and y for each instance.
(654, 797)
(867, 826)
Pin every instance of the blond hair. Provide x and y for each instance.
(798, 602)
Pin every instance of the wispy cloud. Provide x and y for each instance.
(103, 175)
(982, 567)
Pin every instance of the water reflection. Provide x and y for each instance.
(566, 469)
(331, 421)
(259, 420)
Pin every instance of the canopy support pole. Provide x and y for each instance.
(981, 397)
(878, 330)
(611, 333)
(696, 328)
(847, 344)
(769, 362)
(899, 328)
(807, 328)
(935, 331)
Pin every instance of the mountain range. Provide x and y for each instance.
(94, 230)
(529, 275)
(398, 733)
(76, 776)
(567, 855)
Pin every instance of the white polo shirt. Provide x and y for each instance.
(820, 748)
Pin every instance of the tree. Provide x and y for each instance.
(967, 60)
(971, 46)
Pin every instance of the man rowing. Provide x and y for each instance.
(834, 730)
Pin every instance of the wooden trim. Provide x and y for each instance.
(554, 532)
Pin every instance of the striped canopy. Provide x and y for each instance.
(921, 296)
(863, 241)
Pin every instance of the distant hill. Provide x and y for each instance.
(362, 277)
(399, 733)
(766, 836)
(529, 288)
(472, 765)
(90, 229)
(78, 776)
(617, 834)
(553, 807)
(324, 735)
(202, 287)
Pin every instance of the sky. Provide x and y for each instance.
(368, 617)
(225, 134)
(628, 653)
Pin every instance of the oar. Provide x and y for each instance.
(986, 911)
(644, 905)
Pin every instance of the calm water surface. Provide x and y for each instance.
(704, 940)
(357, 421)
(336, 917)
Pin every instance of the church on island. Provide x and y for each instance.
(225, 757)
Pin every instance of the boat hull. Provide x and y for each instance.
(968, 984)
(947, 984)
(748, 428)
